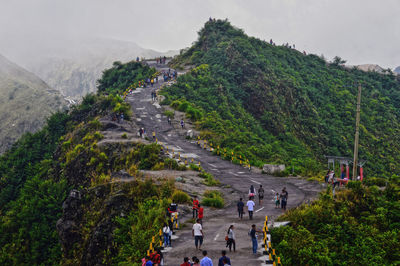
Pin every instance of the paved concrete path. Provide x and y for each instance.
(149, 115)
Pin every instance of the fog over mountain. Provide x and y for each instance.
(25, 102)
(73, 66)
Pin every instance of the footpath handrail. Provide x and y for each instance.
(272, 258)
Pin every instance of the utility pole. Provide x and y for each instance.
(355, 160)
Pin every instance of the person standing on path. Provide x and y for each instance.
(223, 258)
(250, 207)
(260, 195)
(166, 230)
(185, 262)
(252, 191)
(253, 234)
(206, 261)
(240, 206)
(182, 124)
(277, 201)
(284, 198)
(196, 262)
(231, 239)
(195, 207)
(197, 233)
(201, 214)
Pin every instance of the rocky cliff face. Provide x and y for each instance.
(87, 224)
(25, 102)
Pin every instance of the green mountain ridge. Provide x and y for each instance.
(274, 104)
(25, 102)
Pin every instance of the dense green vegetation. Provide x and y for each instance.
(38, 172)
(274, 104)
(359, 226)
(121, 76)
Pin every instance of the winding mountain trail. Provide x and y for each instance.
(149, 115)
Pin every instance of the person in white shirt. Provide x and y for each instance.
(250, 207)
(197, 233)
(166, 232)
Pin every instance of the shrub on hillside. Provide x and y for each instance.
(213, 198)
(375, 181)
(180, 197)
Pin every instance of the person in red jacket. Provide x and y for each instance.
(185, 262)
(195, 207)
(201, 214)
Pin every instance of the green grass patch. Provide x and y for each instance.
(180, 197)
(213, 198)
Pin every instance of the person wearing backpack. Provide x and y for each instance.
(260, 195)
(252, 192)
(155, 257)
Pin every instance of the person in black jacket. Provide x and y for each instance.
(240, 206)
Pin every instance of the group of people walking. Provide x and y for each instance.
(169, 75)
(206, 261)
(161, 60)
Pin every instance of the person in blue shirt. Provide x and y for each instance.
(148, 261)
(224, 258)
(206, 261)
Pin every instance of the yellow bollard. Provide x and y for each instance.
(269, 244)
(266, 218)
(273, 252)
(161, 243)
(270, 257)
(151, 246)
(153, 239)
(148, 252)
(161, 232)
(279, 260)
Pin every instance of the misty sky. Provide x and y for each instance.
(359, 31)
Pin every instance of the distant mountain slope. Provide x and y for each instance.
(275, 104)
(371, 67)
(397, 70)
(73, 68)
(25, 102)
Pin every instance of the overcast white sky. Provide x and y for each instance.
(359, 31)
